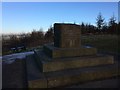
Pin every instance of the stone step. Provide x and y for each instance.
(55, 52)
(47, 64)
(37, 79)
(105, 83)
(70, 77)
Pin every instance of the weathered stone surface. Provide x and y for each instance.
(57, 64)
(70, 77)
(55, 52)
(35, 78)
(37, 83)
(102, 83)
(67, 62)
(67, 35)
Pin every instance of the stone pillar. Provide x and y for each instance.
(67, 35)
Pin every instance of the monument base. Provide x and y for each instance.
(37, 79)
(47, 64)
(55, 52)
(68, 63)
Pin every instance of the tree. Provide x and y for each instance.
(112, 21)
(40, 33)
(83, 31)
(49, 34)
(118, 28)
(33, 35)
(112, 25)
(100, 21)
(25, 39)
(105, 28)
(14, 40)
(36, 37)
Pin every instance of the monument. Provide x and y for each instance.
(66, 61)
(67, 36)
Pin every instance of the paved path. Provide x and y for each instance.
(8, 59)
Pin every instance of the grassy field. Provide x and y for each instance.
(107, 43)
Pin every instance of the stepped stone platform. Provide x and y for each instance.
(67, 62)
(55, 52)
(37, 79)
(48, 64)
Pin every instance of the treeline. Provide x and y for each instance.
(102, 27)
(33, 39)
(39, 37)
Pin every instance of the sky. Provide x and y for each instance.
(23, 17)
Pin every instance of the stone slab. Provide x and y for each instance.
(70, 77)
(34, 77)
(105, 83)
(67, 35)
(48, 64)
(55, 52)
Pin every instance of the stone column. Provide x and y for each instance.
(67, 35)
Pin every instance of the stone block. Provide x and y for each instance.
(67, 35)
(75, 76)
(37, 83)
(37, 79)
(34, 77)
(55, 52)
(48, 64)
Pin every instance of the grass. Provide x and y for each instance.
(107, 43)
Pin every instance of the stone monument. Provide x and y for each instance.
(66, 61)
(67, 36)
(67, 42)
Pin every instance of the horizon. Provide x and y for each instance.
(23, 17)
